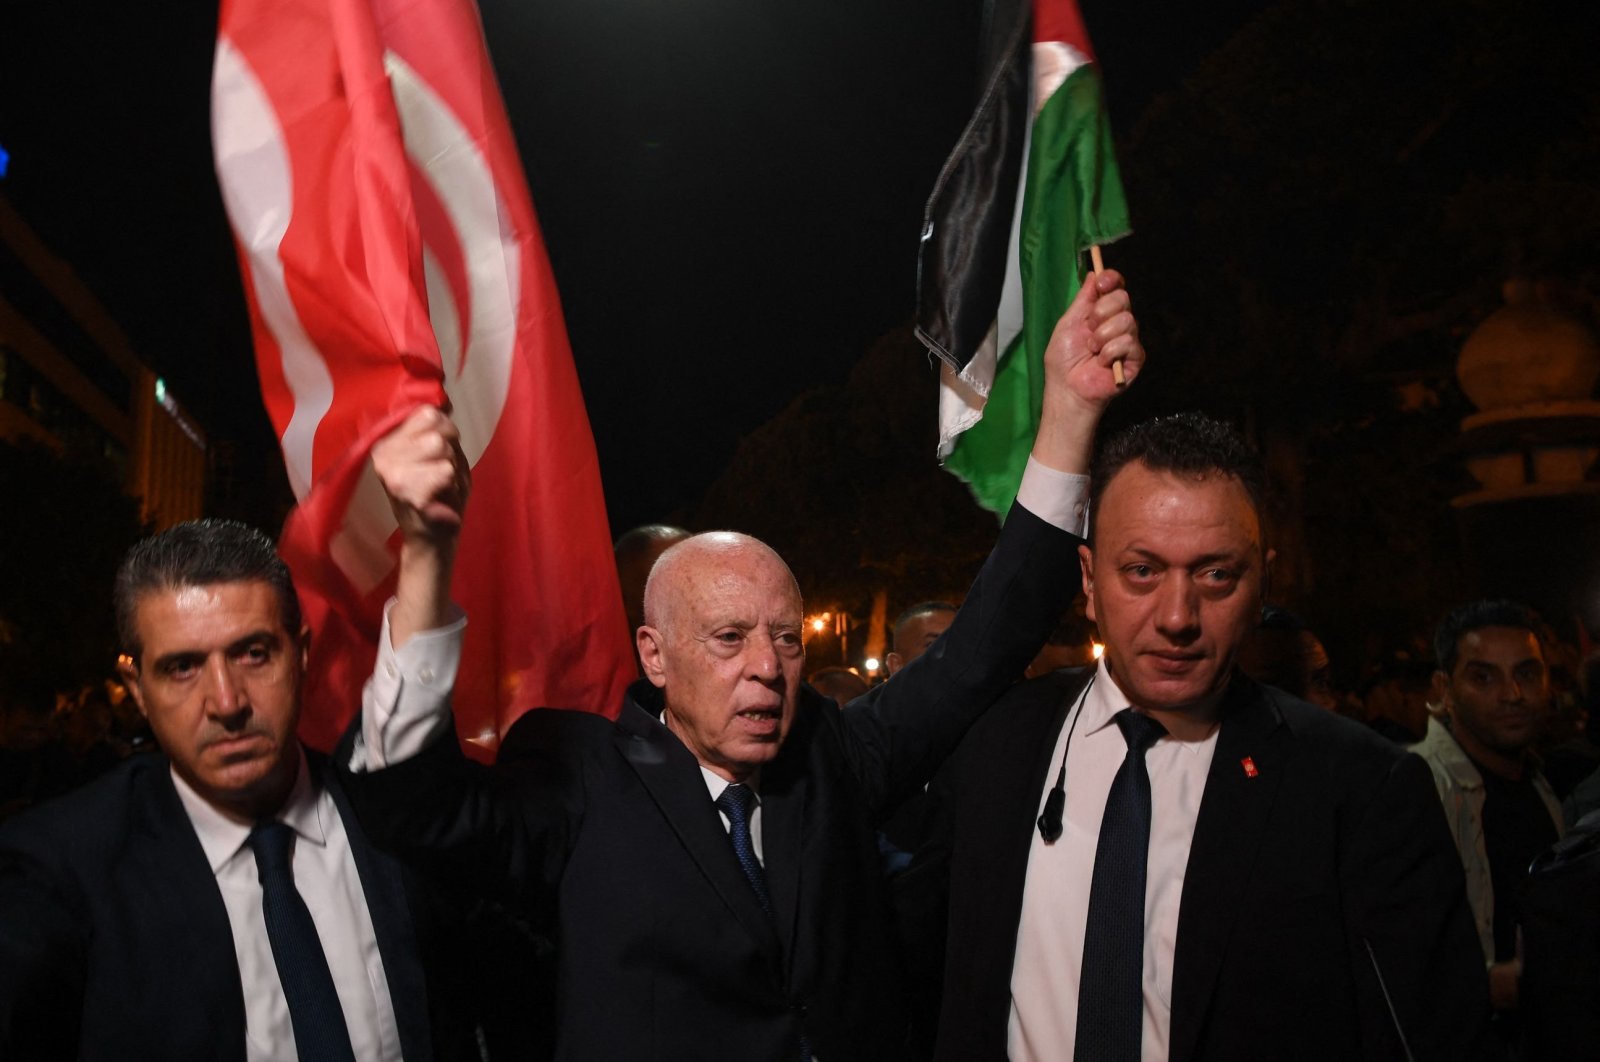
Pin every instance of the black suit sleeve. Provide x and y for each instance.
(1415, 954)
(43, 947)
(898, 734)
(501, 833)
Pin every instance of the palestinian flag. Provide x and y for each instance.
(1030, 186)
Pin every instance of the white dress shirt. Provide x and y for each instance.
(406, 702)
(1055, 898)
(325, 876)
(413, 684)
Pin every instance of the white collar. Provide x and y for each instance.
(223, 833)
(1106, 699)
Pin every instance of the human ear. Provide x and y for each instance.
(650, 645)
(128, 671)
(1086, 564)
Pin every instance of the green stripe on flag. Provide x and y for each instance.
(1071, 200)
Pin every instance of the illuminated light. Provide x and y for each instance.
(5, 161)
(1099, 650)
(161, 390)
(124, 660)
(871, 663)
(818, 624)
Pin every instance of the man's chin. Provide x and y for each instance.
(244, 779)
(1163, 694)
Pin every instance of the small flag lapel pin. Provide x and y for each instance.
(1249, 766)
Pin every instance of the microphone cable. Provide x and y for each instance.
(1050, 821)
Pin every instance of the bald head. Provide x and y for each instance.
(701, 561)
(721, 639)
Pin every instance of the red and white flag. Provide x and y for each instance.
(391, 257)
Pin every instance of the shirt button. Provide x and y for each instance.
(425, 675)
(388, 669)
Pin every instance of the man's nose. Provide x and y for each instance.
(224, 694)
(1177, 606)
(763, 662)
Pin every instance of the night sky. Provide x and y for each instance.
(730, 192)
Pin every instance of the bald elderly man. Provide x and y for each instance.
(742, 800)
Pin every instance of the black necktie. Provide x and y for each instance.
(1111, 985)
(320, 1034)
(736, 802)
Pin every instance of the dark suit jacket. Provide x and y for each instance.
(664, 952)
(115, 943)
(1337, 845)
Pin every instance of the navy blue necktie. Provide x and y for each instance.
(320, 1034)
(736, 802)
(1111, 985)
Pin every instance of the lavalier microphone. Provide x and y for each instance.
(1050, 820)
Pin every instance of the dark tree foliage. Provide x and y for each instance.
(66, 527)
(1322, 211)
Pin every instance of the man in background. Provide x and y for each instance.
(1493, 691)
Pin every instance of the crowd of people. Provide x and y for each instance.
(1146, 830)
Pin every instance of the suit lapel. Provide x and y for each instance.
(392, 923)
(185, 906)
(672, 777)
(784, 790)
(1240, 788)
(1033, 742)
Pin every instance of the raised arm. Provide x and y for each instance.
(423, 471)
(406, 703)
(902, 730)
(1098, 329)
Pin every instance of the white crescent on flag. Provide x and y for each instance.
(392, 257)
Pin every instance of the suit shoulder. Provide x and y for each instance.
(84, 827)
(544, 731)
(1030, 703)
(1351, 745)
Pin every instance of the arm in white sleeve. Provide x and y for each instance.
(1059, 498)
(405, 705)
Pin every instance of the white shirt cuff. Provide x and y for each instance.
(1059, 498)
(406, 703)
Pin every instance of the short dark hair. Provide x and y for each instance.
(1190, 444)
(200, 553)
(1475, 616)
(640, 539)
(924, 608)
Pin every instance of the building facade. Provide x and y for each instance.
(70, 378)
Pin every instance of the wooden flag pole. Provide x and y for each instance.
(1099, 267)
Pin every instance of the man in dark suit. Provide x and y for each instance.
(707, 862)
(1158, 858)
(219, 900)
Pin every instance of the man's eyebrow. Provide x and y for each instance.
(256, 637)
(1209, 558)
(166, 660)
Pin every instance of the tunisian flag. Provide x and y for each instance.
(391, 257)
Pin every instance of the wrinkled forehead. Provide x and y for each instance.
(723, 574)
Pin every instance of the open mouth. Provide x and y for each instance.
(760, 720)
